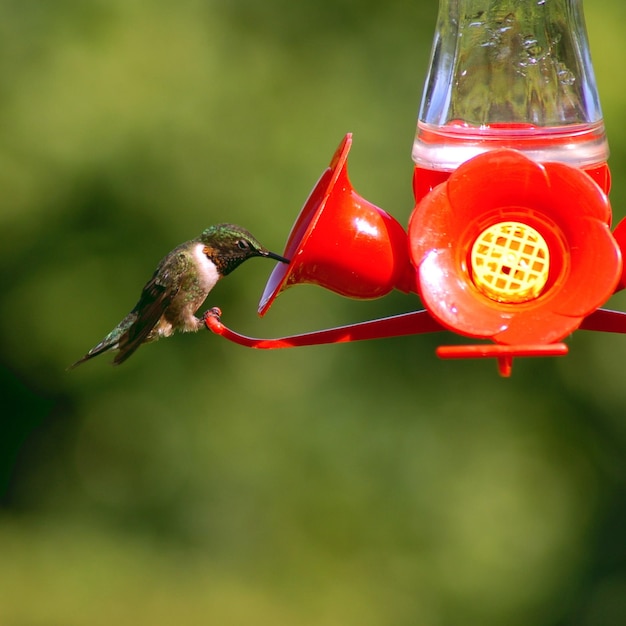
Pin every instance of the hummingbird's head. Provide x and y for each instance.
(229, 245)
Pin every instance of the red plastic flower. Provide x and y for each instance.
(514, 250)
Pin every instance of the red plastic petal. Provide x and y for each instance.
(573, 195)
(537, 325)
(620, 236)
(494, 180)
(432, 224)
(452, 299)
(596, 267)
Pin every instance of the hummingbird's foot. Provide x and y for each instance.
(213, 313)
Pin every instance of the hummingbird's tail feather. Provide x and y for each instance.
(111, 342)
(103, 346)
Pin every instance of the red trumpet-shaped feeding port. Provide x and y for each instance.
(342, 242)
(514, 250)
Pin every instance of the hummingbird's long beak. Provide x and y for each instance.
(273, 255)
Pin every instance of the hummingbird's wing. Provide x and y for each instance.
(156, 296)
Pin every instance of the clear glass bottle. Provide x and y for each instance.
(509, 73)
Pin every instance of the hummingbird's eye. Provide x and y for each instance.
(242, 244)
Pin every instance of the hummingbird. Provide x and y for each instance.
(178, 287)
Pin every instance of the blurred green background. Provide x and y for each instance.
(365, 484)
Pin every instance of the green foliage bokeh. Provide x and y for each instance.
(202, 483)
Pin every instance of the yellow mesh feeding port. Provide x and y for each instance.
(510, 262)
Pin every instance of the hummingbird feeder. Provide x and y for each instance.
(510, 240)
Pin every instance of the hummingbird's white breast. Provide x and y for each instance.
(207, 272)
